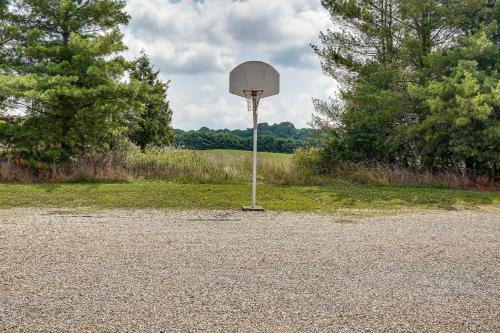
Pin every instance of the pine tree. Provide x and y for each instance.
(460, 126)
(8, 33)
(153, 125)
(420, 84)
(68, 79)
(366, 31)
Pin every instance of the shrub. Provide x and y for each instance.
(307, 159)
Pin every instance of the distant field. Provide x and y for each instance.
(261, 155)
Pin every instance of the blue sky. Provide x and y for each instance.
(196, 43)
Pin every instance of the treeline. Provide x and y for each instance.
(61, 68)
(420, 85)
(279, 138)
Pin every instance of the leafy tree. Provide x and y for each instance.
(68, 79)
(281, 138)
(153, 125)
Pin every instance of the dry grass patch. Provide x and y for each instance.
(228, 167)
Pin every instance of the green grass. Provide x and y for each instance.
(164, 194)
(219, 179)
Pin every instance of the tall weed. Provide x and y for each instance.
(216, 167)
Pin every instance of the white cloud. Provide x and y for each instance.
(327, 85)
(197, 43)
(207, 88)
(213, 113)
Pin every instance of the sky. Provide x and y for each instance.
(196, 43)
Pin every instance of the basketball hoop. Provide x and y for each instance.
(253, 98)
(254, 80)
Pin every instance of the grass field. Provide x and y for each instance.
(215, 167)
(164, 194)
(220, 179)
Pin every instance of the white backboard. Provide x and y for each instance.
(254, 75)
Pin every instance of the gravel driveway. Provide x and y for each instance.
(231, 271)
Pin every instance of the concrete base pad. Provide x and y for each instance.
(252, 209)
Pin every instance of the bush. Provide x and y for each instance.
(307, 159)
(108, 167)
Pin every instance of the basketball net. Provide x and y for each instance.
(253, 98)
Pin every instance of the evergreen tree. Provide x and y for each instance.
(153, 125)
(68, 79)
(460, 126)
(419, 84)
(8, 34)
(368, 31)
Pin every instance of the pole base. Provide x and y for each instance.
(252, 209)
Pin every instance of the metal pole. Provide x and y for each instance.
(254, 183)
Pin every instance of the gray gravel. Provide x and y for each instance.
(232, 271)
